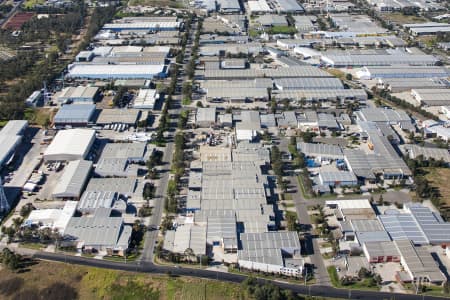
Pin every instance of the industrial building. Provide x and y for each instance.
(337, 178)
(10, 138)
(419, 265)
(374, 72)
(371, 59)
(205, 117)
(142, 26)
(429, 28)
(4, 203)
(118, 116)
(92, 200)
(89, 71)
(352, 209)
(381, 252)
(431, 97)
(271, 252)
(79, 94)
(115, 167)
(308, 84)
(132, 152)
(249, 126)
(56, 219)
(145, 99)
(99, 232)
(427, 153)
(418, 224)
(186, 237)
(388, 116)
(75, 115)
(396, 85)
(324, 151)
(71, 144)
(73, 181)
(125, 187)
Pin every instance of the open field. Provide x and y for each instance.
(440, 178)
(47, 280)
(401, 19)
(157, 3)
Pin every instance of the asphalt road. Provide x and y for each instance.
(313, 290)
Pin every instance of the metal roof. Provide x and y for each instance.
(403, 226)
(70, 143)
(74, 113)
(124, 116)
(419, 262)
(96, 199)
(323, 150)
(98, 230)
(206, 114)
(308, 83)
(383, 249)
(337, 176)
(372, 236)
(73, 179)
(129, 151)
(123, 186)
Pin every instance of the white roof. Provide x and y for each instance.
(109, 71)
(350, 204)
(72, 142)
(145, 98)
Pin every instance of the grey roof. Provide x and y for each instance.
(231, 84)
(98, 230)
(129, 151)
(346, 59)
(272, 20)
(341, 177)
(268, 247)
(367, 225)
(111, 116)
(372, 236)
(321, 94)
(291, 72)
(268, 120)
(382, 115)
(419, 261)
(184, 237)
(403, 226)
(435, 229)
(427, 152)
(96, 199)
(117, 167)
(10, 137)
(206, 114)
(73, 180)
(327, 121)
(324, 150)
(75, 113)
(221, 227)
(123, 186)
(407, 71)
(377, 249)
(14, 127)
(308, 83)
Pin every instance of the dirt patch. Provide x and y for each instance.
(439, 178)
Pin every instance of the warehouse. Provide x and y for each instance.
(115, 167)
(99, 232)
(249, 126)
(56, 219)
(132, 152)
(79, 94)
(125, 187)
(142, 26)
(271, 252)
(352, 209)
(431, 97)
(381, 252)
(90, 201)
(323, 151)
(403, 72)
(145, 99)
(339, 96)
(73, 181)
(237, 90)
(389, 116)
(271, 20)
(250, 74)
(222, 232)
(10, 138)
(337, 178)
(117, 71)
(305, 23)
(418, 263)
(396, 85)
(308, 84)
(71, 144)
(354, 60)
(184, 237)
(430, 28)
(75, 115)
(205, 117)
(427, 153)
(118, 116)
(258, 6)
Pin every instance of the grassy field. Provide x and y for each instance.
(47, 280)
(31, 3)
(400, 18)
(157, 3)
(439, 178)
